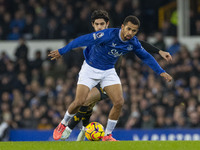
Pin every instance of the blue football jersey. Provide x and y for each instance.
(105, 46)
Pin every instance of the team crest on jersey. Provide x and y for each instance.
(98, 35)
(113, 44)
(130, 48)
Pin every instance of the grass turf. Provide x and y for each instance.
(88, 145)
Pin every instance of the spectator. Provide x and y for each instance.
(1, 33)
(159, 41)
(175, 47)
(197, 25)
(28, 29)
(18, 21)
(27, 121)
(44, 125)
(37, 32)
(52, 29)
(5, 25)
(37, 62)
(147, 121)
(194, 120)
(4, 130)
(15, 34)
(22, 50)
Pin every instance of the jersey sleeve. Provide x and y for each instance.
(149, 48)
(86, 40)
(148, 58)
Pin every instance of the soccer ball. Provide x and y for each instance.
(94, 131)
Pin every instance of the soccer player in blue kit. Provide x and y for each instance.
(100, 20)
(103, 49)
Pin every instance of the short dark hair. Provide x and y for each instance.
(133, 19)
(100, 14)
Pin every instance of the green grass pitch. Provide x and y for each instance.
(88, 145)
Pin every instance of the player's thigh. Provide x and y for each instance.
(88, 76)
(93, 97)
(115, 93)
(82, 92)
(110, 78)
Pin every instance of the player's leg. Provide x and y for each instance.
(85, 121)
(88, 78)
(115, 94)
(81, 95)
(74, 121)
(112, 86)
(87, 116)
(91, 102)
(93, 96)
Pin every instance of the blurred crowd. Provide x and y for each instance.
(65, 19)
(35, 94)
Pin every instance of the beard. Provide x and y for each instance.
(127, 37)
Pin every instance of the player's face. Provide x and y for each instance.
(128, 31)
(100, 24)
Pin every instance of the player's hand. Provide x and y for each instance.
(54, 54)
(166, 76)
(165, 55)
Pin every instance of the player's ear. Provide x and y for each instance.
(107, 24)
(122, 26)
(92, 24)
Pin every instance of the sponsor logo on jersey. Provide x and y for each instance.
(114, 53)
(98, 35)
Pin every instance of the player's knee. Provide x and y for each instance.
(79, 102)
(119, 103)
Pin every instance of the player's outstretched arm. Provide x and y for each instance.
(165, 55)
(54, 54)
(149, 60)
(166, 76)
(152, 49)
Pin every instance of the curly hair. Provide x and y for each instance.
(100, 14)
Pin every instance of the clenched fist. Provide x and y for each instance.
(166, 76)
